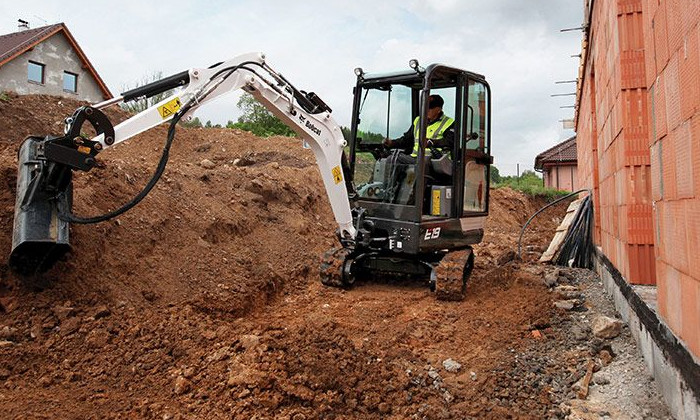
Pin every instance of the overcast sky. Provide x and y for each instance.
(516, 44)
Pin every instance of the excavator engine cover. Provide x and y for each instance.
(39, 237)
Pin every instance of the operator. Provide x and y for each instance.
(440, 132)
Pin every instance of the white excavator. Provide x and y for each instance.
(393, 217)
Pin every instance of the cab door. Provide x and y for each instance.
(476, 144)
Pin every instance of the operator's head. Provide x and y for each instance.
(435, 103)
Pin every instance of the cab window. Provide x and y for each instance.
(476, 150)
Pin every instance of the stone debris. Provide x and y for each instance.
(207, 164)
(551, 279)
(580, 331)
(601, 379)
(7, 333)
(506, 257)
(606, 327)
(566, 304)
(249, 341)
(451, 366)
(63, 312)
(182, 385)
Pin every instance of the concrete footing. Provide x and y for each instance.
(673, 367)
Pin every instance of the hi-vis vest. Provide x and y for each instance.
(433, 132)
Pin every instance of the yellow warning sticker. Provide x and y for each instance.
(169, 108)
(84, 150)
(337, 175)
(436, 203)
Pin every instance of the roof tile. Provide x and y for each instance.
(562, 152)
(18, 42)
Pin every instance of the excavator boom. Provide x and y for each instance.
(44, 187)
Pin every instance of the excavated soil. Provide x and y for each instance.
(204, 300)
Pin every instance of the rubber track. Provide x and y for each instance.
(450, 284)
(332, 267)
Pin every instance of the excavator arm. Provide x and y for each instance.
(44, 185)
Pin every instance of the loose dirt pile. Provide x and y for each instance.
(204, 300)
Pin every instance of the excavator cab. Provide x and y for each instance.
(417, 216)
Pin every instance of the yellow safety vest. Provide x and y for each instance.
(433, 132)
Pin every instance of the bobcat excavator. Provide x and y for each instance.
(415, 219)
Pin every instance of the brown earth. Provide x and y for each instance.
(204, 300)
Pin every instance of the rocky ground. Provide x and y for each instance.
(204, 302)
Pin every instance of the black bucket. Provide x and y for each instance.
(39, 237)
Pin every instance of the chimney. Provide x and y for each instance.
(22, 25)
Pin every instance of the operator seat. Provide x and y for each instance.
(442, 165)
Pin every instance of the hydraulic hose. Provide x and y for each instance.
(172, 81)
(72, 218)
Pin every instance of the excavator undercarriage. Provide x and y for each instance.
(447, 276)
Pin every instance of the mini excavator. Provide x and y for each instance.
(414, 219)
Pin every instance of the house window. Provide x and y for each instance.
(35, 72)
(70, 82)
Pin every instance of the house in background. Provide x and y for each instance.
(48, 61)
(559, 165)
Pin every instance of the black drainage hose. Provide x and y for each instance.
(588, 219)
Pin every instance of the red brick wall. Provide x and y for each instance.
(638, 134)
(613, 137)
(672, 58)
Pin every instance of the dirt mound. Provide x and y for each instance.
(204, 299)
(509, 210)
(201, 228)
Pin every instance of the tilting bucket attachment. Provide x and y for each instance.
(40, 238)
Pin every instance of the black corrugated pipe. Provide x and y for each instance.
(578, 243)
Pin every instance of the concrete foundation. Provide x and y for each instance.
(668, 360)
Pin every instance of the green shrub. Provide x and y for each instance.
(550, 194)
(531, 184)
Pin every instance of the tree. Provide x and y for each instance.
(495, 175)
(141, 104)
(365, 136)
(530, 177)
(346, 133)
(195, 123)
(258, 120)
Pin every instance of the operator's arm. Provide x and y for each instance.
(405, 142)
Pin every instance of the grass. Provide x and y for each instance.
(531, 186)
(4, 96)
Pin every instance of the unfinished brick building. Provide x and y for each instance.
(638, 131)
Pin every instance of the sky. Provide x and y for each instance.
(517, 44)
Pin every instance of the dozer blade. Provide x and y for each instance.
(39, 237)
